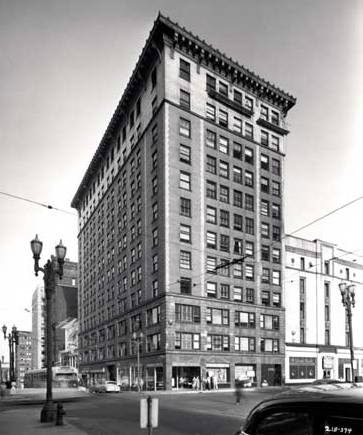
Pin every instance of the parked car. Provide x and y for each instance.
(112, 387)
(308, 411)
(107, 387)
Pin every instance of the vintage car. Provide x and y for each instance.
(311, 410)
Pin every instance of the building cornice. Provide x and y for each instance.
(165, 31)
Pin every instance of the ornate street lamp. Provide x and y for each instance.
(53, 267)
(13, 338)
(348, 300)
(137, 338)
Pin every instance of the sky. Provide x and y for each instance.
(63, 68)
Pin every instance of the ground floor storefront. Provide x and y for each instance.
(174, 371)
(305, 364)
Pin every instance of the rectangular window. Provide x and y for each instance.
(264, 137)
(237, 246)
(211, 189)
(249, 226)
(237, 124)
(244, 344)
(275, 143)
(269, 345)
(223, 169)
(216, 316)
(237, 198)
(265, 230)
(211, 139)
(237, 293)
(185, 207)
(276, 233)
(249, 179)
(275, 119)
(211, 83)
(184, 180)
(249, 272)
(276, 255)
(184, 99)
(276, 299)
(245, 319)
(225, 293)
(211, 264)
(223, 145)
(187, 313)
(248, 130)
(224, 243)
(249, 158)
(211, 165)
(184, 127)
(237, 150)
(265, 185)
(211, 215)
(186, 286)
(265, 253)
(276, 167)
(223, 89)
(211, 112)
(276, 277)
(185, 233)
(249, 103)
(264, 112)
(276, 188)
(265, 162)
(185, 153)
(185, 261)
(265, 297)
(250, 295)
(224, 194)
(237, 174)
(237, 96)
(238, 222)
(224, 218)
(265, 207)
(211, 289)
(276, 211)
(211, 240)
(265, 277)
(184, 70)
(223, 118)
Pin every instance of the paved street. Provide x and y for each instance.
(207, 413)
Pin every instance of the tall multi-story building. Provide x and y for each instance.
(317, 328)
(65, 306)
(180, 218)
(23, 357)
(38, 325)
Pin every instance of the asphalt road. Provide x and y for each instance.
(179, 414)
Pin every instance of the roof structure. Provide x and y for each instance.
(165, 31)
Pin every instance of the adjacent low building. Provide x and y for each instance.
(317, 331)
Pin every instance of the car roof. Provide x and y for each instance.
(327, 393)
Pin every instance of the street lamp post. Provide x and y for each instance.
(137, 338)
(348, 300)
(13, 338)
(50, 270)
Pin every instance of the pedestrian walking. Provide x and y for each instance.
(197, 383)
(238, 392)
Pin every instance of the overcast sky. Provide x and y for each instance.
(63, 68)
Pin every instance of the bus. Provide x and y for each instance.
(62, 377)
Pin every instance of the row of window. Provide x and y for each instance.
(183, 341)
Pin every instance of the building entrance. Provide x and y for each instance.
(182, 377)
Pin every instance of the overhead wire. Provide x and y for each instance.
(48, 206)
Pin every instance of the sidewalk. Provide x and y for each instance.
(26, 421)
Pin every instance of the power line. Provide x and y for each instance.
(50, 207)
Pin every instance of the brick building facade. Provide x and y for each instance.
(180, 223)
